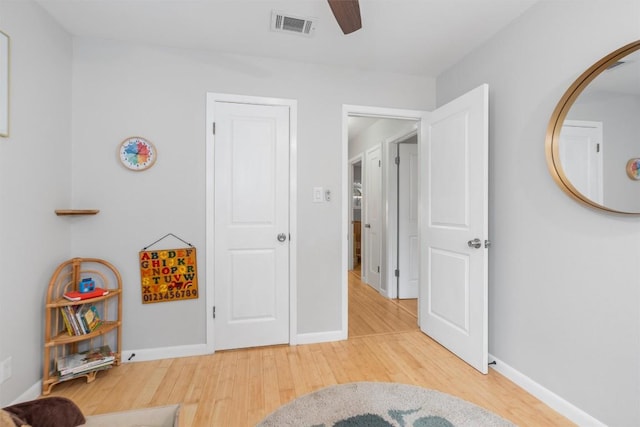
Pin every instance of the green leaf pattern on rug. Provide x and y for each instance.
(399, 415)
(432, 421)
(368, 404)
(368, 420)
(372, 420)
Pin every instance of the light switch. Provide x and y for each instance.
(318, 195)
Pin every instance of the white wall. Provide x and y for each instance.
(35, 164)
(121, 90)
(564, 288)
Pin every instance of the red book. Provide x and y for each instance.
(77, 295)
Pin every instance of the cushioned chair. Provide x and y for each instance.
(62, 412)
(46, 412)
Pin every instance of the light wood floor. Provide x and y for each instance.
(240, 387)
(371, 314)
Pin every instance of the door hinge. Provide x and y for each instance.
(213, 128)
(378, 269)
(214, 311)
(379, 163)
(397, 273)
(597, 148)
(397, 160)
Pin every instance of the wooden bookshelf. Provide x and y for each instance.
(58, 341)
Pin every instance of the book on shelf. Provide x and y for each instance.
(86, 371)
(80, 319)
(79, 296)
(85, 361)
(70, 320)
(67, 322)
(90, 317)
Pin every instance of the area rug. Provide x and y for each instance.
(374, 404)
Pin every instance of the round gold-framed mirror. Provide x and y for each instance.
(594, 134)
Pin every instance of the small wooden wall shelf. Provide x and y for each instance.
(64, 212)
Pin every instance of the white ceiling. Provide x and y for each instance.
(420, 37)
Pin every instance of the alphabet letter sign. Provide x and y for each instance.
(168, 275)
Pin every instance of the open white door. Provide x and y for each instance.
(372, 221)
(454, 226)
(408, 247)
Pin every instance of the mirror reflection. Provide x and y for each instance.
(595, 134)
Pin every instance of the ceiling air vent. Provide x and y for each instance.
(282, 22)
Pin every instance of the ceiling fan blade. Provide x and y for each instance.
(347, 13)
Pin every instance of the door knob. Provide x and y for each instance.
(475, 243)
(282, 237)
(367, 226)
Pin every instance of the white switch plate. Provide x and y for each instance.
(318, 196)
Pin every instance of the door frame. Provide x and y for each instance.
(360, 110)
(211, 99)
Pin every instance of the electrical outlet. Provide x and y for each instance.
(5, 370)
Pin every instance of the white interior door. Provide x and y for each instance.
(408, 246)
(453, 229)
(372, 221)
(581, 156)
(251, 225)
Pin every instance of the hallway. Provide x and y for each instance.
(372, 314)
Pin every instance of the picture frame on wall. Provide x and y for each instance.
(4, 84)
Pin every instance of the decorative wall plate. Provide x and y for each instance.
(137, 153)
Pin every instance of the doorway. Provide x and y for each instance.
(453, 221)
(384, 205)
(355, 211)
(250, 199)
(372, 135)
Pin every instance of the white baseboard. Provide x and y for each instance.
(551, 399)
(140, 355)
(200, 349)
(183, 351)
(318, 337)
(163, 353)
